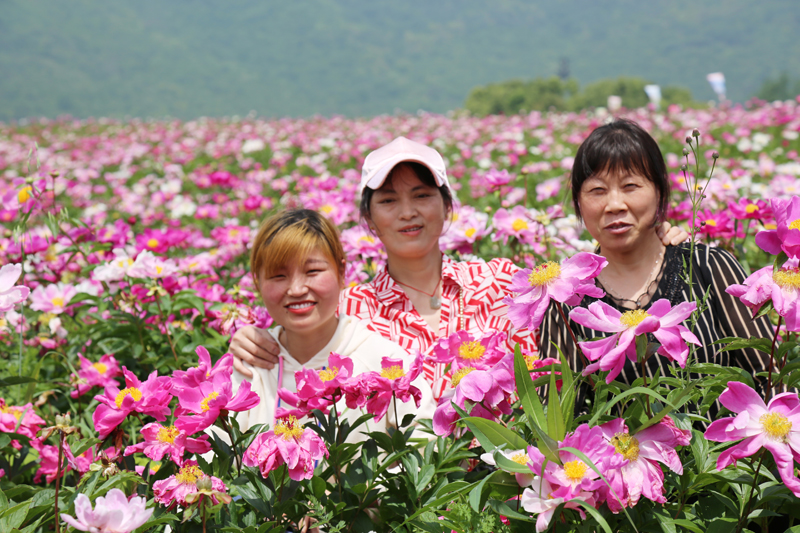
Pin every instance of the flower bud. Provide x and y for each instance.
(684, 168)
(685, 151)
(695, 133)
(715, 154)
(688, 140)
(204, 483)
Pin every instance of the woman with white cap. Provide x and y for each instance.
(421, 295)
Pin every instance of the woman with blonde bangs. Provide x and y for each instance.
(297, 263)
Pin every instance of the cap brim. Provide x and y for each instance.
(377, 179)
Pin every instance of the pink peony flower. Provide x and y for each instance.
(290, 444)
(462, 350)
(10, 294)
(204, 371)
(112, 513)
(162, 440)
(782, 287)
(715, 224)
(52, 298)
(775, 426)
(642, 476)
(567, 283)
(539, 499)
(318, 389)
(518, 223)
(209, 399)
(547, 189)
(99, 374)
(23, 416)
(174, 489)
(662, 320)
(786, 237)
(375, 391)
(496, 179)
(150, 266)
(746, 209)
(151, 397)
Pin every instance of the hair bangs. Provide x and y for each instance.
(293, 244)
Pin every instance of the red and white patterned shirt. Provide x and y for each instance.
(384, 304)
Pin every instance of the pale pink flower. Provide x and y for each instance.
(781, 286)
(149, 266)
(53, 298)
(10, 294)
(99, 374)
(112, 513)
(174, 490)
(786, 237)
(518, 223)
(538, 499)
(167, 440)
(547, 189)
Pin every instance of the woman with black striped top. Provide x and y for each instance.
(621, 190)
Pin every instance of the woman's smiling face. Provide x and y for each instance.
(407, 215)
(619, 209)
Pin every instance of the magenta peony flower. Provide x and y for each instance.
(746, 209)
(99, 374)
(567, 283)
(462, 350)
(23, 416)
(162, 440)
(375, 391)
(290, 444)
(662, 320)
(317, 389)
(151, 397)
(518, 223)
(10, 294)
(204, 371)
(786, 237)
(209, 399)
(775, 427)
(782, 287)
(642, 476)
(174, 489)
(496, 179)
(114, 513)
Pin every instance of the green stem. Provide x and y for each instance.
(166, 326)
(58, 474)
(743, 519)
(233, 444)
(397, 422)
(768, 393)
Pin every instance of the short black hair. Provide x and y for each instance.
(425, 176)
(621, 145)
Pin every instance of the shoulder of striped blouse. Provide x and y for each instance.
(500, 268)
(358, 301)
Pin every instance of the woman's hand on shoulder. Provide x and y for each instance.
(671, 235)
(254, 346)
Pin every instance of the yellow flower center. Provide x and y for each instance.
(519, 225)
(711, 222)
(521, 458)
(544, 274)
(459, 375)
(152, 243)
(575, 470)
(101, 368)
(471, 350)
(16, 412)
(45, 318)
(750, 209)
(775, 425)
(288, 428)
(133, 392)
(189, 474)
(58, 301)
(470, 232)
(24, 194)
(326, 208)
(233, 233)
(529, 361)
(368, 238)
(393, 372)
(204, 404)
(168, 434)
(328, 374)
(787, 278)
(632, 319)
(770, 226)
(795, 224)
(627, 445)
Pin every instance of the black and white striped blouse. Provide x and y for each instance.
(725, 316)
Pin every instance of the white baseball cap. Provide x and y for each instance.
(380, 162)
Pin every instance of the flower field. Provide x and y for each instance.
(124, 253)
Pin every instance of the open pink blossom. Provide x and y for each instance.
(99, 374)
(786, 236)
(518, 223)
(461, 350)
(204, 371)
(781, 286)
(642, 476)
(746, 209)
(149, 266)
(112, 513)
(21, 419)
(567, 282)
(375, 390)
(150, 397)
(162, 440)
(775, 426)
(209, 399)
(539, 499)
(496, 179)
(52, 298)
(10, 294)
(661, 320)
(290, 444)
(318, 389)
(174, 490)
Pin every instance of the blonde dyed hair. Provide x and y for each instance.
(291, 236)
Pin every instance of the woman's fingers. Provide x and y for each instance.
(670, 235)
(255, 347)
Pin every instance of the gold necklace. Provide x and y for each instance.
(436, 301)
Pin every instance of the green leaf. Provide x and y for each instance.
(15, 380)
(780, 259)
(13, 517)
(494, 434)
(476, 500)
(555, 420)
(595, 514)
(621, 396)
(503, 508)
(528, 396)
(508, 465)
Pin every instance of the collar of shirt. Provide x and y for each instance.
(388, 291)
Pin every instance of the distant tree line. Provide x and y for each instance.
(781, 87)
(543, 94)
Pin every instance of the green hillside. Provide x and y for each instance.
(187, 58)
